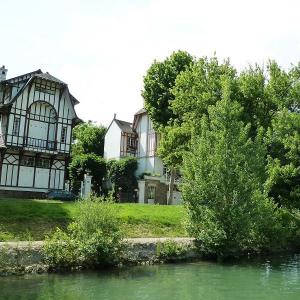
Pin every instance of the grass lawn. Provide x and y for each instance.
(33, 219)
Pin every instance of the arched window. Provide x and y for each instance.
(41, 126)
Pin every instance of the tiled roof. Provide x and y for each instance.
(50, 77)
(124, 126)
(37, 73)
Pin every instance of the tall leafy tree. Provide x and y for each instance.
(158, 96)
(283, 140)
(89, 138)
(223, 188)
(200, 86)
(158, 83)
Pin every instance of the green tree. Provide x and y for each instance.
(89, 138)
(158, 96)
(224, 174)
(88, 163)
(283, 140)
(200, 86)
(121, 174)
(158, 83)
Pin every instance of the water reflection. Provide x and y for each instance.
(273, 278)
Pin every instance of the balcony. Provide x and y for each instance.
(40, 144)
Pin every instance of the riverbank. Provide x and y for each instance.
(23, 220)
(27, 257)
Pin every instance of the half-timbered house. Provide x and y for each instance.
(37, 116)
(120, 140)
(152, 175)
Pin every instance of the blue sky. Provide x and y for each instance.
(103, 48)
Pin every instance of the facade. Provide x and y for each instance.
(139, 139)
(37, 116)
(120, 140)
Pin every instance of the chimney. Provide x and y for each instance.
(3, 73)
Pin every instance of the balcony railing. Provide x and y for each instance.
(41, 144)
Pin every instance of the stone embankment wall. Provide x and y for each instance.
(27, 257)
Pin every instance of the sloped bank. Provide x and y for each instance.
(27, 257)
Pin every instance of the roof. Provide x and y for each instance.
(124, 126)
(38, 73)
(22, 77)
(141, 111)
(137, 116)
(50, 77)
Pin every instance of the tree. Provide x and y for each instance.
(157, 93)
(283, 140)
(200, 86)
(224, 172)
(88, 163)
(158, 83)
(121, 174)
(89, 138)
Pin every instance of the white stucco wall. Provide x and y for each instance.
(146, 163)
(112, 142)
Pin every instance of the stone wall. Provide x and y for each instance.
(27, 257)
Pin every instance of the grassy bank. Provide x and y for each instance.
(33, 219)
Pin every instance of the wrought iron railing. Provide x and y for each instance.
(41, 144)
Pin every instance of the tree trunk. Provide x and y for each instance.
(171, 185)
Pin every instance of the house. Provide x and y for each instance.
(37, 116)
(120, 140)
(139, 139)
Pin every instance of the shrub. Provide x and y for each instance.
(93, 239)
(83, 163)
(121, 174)
(170, 250)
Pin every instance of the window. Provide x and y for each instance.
(151, 192)
(16, 126)
(131, 142)
(27, 161)
(131, 145)
(43, 163)
(63, 137)
(151, 144)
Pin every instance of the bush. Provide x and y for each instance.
(170, 250)
(83, 163)
(121, 174)
(94, 238)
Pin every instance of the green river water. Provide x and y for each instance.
(272, 278)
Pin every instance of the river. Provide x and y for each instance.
(268, 278)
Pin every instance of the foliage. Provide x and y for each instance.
(93, 239)
(89, 138)
(223, 188)
(158, 84)
(121, 173)
(174, 143)
(159, 81)
(283, 140)
(170, 250)
(198, 87)
(88, 163)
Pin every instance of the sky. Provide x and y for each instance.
(102, 49)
